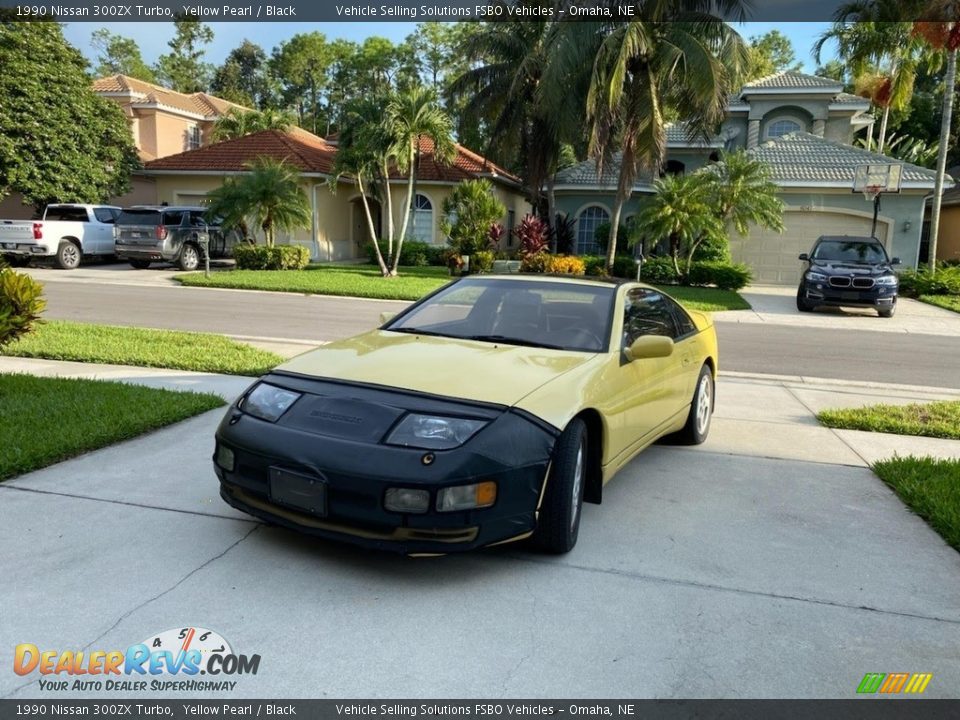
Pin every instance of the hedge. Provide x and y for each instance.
(277, 257)
(412, 254)
(946, 281)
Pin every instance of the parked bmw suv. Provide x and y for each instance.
(146, 234)
(850, 271)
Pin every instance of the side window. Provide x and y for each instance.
(67, 214)
(104, 215)
(685, 326)
(197, 218)
(173, 218)
(646, 312)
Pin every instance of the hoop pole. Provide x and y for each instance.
(876, 212)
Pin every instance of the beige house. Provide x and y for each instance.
(339, 228)
(948, 238)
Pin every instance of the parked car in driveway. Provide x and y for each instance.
(487, 412)
(175, 234)
(844, 270)
(65, 231)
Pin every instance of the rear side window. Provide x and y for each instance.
(139, 217)
(198, 217)
(173, 217)
(104, 215)
(685, 326)
(646, 312)
(67, 214)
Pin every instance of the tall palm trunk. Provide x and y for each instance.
(618, 203)
(388, 198)
(373, 231)
(948, 91)
(552, 211)
(408, 205)
(883, 129)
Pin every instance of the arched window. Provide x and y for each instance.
(420, 226)
(588, 222)
(779, 128)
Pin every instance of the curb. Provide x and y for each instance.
(835, 382)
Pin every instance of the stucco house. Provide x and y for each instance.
(948, 238)
(339, 228)
(803, 126)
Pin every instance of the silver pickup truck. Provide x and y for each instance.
(66, 231)
(175, 234)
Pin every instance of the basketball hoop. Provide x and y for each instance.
(870, 192)
(874, 180)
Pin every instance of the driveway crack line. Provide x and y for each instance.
(142, 605)
(832, 430)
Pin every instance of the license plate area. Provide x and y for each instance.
(849, 296)
(307, 493)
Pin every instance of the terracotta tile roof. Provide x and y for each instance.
(306, 152)
(148, 93)
(313, 154)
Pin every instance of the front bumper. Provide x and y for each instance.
(821, 293)
(513, 451)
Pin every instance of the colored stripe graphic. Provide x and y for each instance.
(892, 683)
(871, 682)
(918, 683)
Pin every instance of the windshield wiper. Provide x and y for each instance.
(417, 331)
(514, 341)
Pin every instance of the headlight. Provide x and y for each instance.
(268, 402)
(434, 432)
(887, 280)
(467, 497)
(406, 500)
(816, 277)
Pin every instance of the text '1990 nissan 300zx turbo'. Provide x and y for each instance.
(486, 412)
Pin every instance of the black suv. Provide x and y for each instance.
(851, 271)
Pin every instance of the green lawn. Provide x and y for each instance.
(46, 420)
(706, 299)
(412, 284)
(950, 302)
(348, 280)
(202, 352)
(937, 419)
(931, 488)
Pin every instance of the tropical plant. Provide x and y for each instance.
(413, 116)
(468, 213)
(533, 235)
(269, 194)
(226, 202)
(21, 302)
(908, 149)
(678, 60)
(742, 193)
(237, 123)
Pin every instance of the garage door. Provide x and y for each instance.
(191, 199)
(773, 256)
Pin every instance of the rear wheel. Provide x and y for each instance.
(140, 264)
(701, 410)
(68, 255)
(803, 305)
(559, 523)
(189, 258)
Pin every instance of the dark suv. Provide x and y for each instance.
(146, 234)
(851, 271)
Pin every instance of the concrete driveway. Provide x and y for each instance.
(776, 305)
(769, 562)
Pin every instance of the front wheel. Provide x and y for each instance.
(68, 256)
(189, 258)
(887, 312)
(140, 264)
(559, 523)
(701, 410)
(803, 305)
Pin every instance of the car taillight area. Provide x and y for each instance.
(161, 232)
(38, 231)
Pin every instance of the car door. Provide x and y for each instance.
(649, 389)
(687, 349)
(101, 231)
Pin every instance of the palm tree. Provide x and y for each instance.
(228, 204)
(270, 194)
(411, 116)
(237, 123)
(743, 194)
(679, 60)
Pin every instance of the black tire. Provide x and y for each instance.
(68, 255)
(803, 305)
(140, 264)
(701, 410)
(559, 522)
(887, 312)
(189, 257)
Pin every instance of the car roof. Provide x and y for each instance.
(166, 207)
(562, 278)
(850, 238)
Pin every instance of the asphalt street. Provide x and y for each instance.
(913, 359)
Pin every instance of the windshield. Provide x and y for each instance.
(851, 251)
(139, 217)
(560, 315)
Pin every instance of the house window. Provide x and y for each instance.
(779, 128)
(590, 219)
(420, 225)
(193, 137)
(674, 167)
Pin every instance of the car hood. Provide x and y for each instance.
(834, 267)
(465, 369)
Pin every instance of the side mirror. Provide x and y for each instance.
(386, 317)
(803, 256)
(895, 261)
(650, 346)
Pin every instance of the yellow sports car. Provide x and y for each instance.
(486, 412)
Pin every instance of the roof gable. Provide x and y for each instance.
(793, 80)
(145, 93)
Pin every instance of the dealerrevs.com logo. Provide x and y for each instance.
(169, 661)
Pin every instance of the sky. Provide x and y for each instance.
(153, 37)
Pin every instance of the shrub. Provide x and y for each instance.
(726, 276)
(565, 265)
(624, 266)
(277, 257)
(601, 236)
(594, 264)
(481, 261)
(21, 302)
(473, 209)
(946, 281)
(659, 271)
(713, 248)
(564, 233)
(533, 235)
(535, 262)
